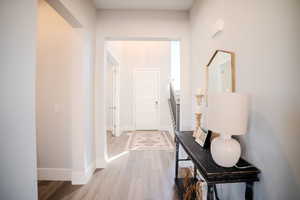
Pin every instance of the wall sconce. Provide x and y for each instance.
(218, 27)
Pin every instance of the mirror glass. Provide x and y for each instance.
(219, 77)
(220, 72)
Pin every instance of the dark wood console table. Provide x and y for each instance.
(211, 172)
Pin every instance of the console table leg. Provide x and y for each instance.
(249, 191)
(176, 159)
(195, 172)
(210, 192)
(216, 192)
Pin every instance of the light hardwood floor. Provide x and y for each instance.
(134, 175)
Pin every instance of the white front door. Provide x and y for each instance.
(146, 90)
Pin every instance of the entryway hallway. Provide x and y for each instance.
(129, 175)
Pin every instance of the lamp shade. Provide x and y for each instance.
(227, 113)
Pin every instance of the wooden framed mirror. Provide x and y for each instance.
(219, 77)
(221, 72)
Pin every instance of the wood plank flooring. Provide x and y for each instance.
(134, 175)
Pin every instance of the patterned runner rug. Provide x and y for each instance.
(149, 140)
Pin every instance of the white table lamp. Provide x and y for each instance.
(227, 115)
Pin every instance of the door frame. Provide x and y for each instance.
(116, 93)
(116, 99)
(134, 94)
(100, 91)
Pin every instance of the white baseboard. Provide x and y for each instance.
(126, 128)
(54, 174)
(101, 163)
(131, 128)
(164, 128)
(83, 177)
(172, 132)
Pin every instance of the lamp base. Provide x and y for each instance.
(225, 150)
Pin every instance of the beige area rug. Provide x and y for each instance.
(149, 140)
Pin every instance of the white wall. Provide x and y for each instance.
(141, 54)
(83, 140)
(139, 24)
(83, 81)
(265, 35)
(53, 94)
(76, 119)
(17, 107)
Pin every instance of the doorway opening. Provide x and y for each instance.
(138, 77)
(54, 95)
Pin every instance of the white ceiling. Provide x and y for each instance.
(145, 4)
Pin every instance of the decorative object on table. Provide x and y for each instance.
(209, 171)
(227, 115)
(197, 125)
(201, 136)
(200, 95)
(193, 188)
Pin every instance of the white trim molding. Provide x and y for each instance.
(63, 10)
(127, 128)
(165, 128)
(101, 163)
(54, 174)
(82, 177)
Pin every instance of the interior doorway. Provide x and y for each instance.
(138, 75)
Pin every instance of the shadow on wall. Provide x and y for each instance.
(273, 151)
